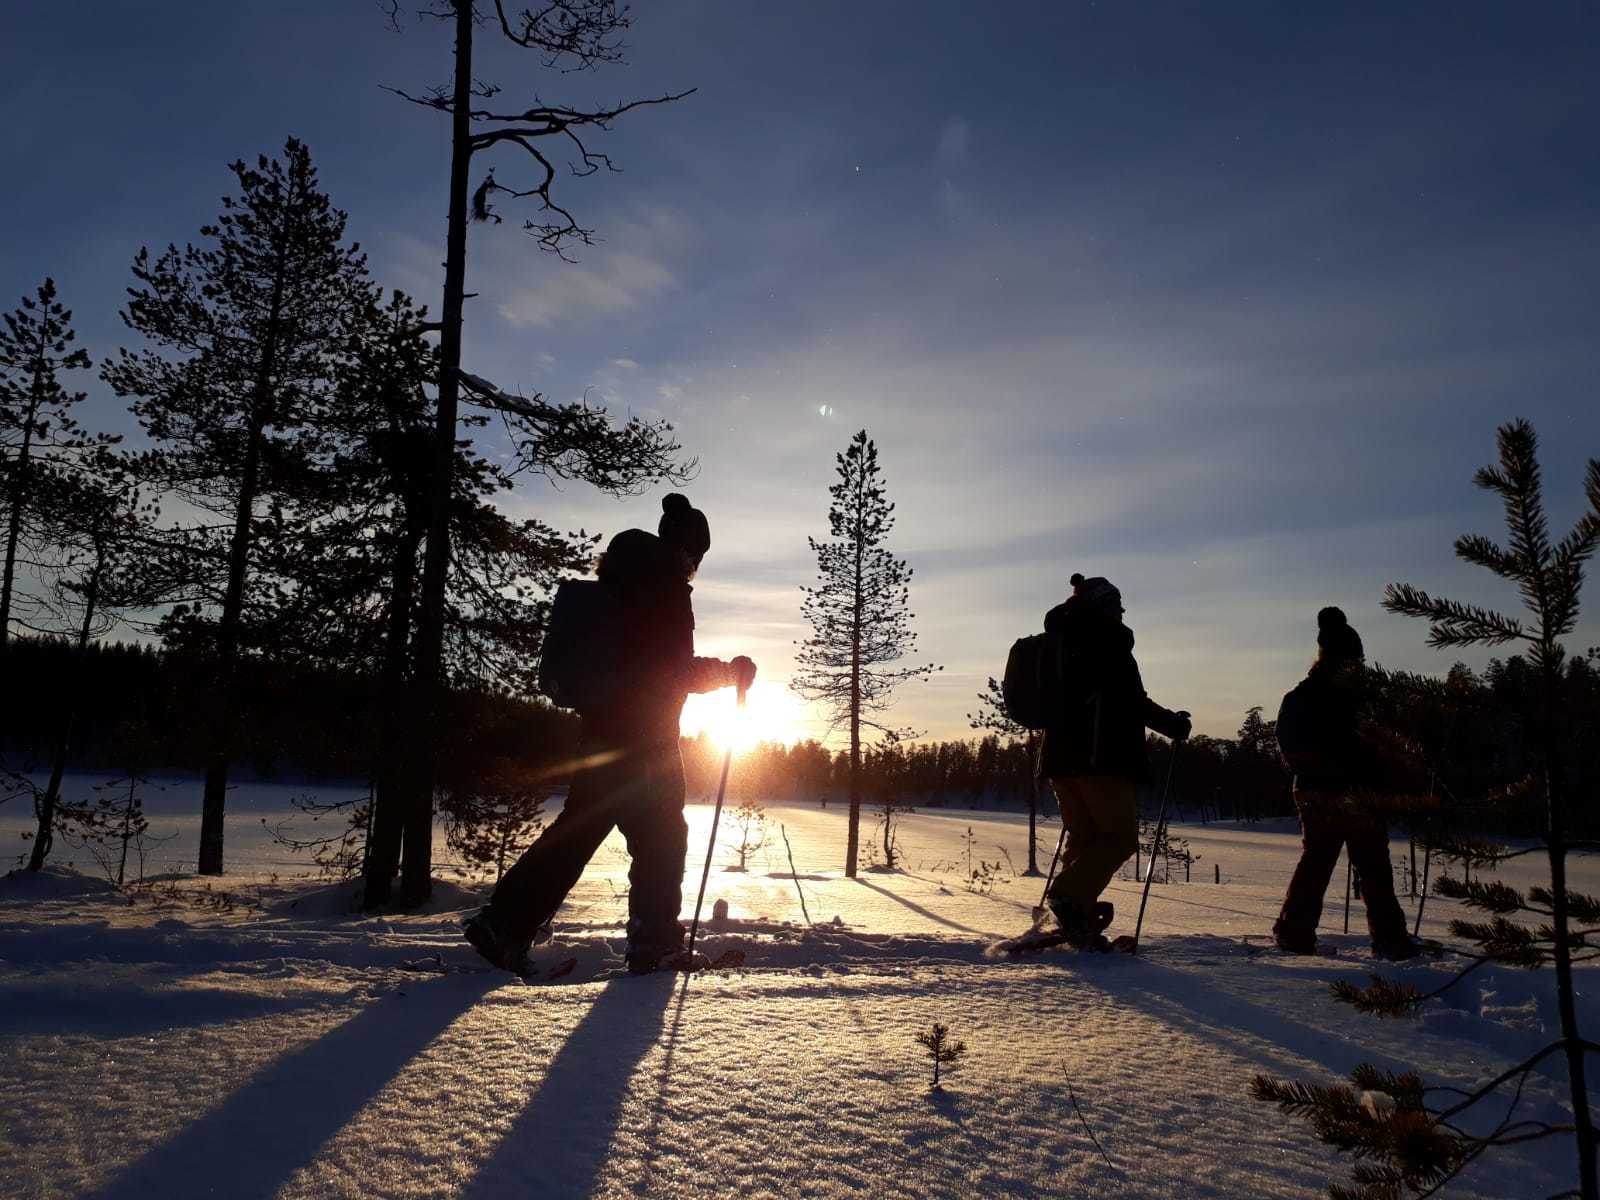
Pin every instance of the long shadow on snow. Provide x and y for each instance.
(562, 1138)
(919, 910)
(250, 1145)
(1188, 1001)
(119, 1010)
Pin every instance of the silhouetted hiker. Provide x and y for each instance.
(1094, 756)
(1320, 740)
(630, 773)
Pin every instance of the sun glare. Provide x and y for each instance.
(771, 714)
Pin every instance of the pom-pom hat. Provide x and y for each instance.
(684, 527)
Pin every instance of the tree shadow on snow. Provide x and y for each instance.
(130, 1010)
(253, 1142)
(562, 1138)
(920, 910)
(1187, 1000)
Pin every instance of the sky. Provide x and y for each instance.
(1223, 302)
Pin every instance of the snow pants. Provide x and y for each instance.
(638, 789)
(1326, 825)
(1101, 814)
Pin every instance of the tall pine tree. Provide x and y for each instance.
(246, 332)
(859, 614)
(567, 36)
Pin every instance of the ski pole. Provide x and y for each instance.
(1044, 897)
(1349, 874)
(716, 816)
(1161, 825)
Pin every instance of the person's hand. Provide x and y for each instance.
(1181, 727)
(744, 673)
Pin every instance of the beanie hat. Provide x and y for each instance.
(1335, 637)
(684, 527)
(1095, 593)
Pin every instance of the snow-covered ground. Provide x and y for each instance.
(252, 1037)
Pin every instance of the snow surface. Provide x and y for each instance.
(252, 1036)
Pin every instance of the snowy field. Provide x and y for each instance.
(252, 1037)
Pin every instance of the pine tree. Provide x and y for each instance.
(1413, 1135)
(40, 442)
(992, 717)
(246, 333)
(936, 1041)
(859, 614)
(569, 35)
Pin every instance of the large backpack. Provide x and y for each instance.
(1302, 735)
(1037, 681)
(583, 646)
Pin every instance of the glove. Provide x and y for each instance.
(744, 673)
(1181, 726)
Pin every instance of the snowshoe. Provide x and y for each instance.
(1079, 930)
(493, 945)
(1408, 948)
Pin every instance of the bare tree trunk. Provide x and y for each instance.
(416, 882)
(221, 752)
(388, 792)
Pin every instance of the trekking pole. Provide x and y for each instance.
(1161, 826)
(716, 816)
(1349, 874)
(1044, 897)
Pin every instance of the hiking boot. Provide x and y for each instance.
(1397, 950)
(1293, 941)
(1082, 928)
(490, 941)
(647, 958)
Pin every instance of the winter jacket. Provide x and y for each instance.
(1319, 731)
(657, 667)
(1100, 730)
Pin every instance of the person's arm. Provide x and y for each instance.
(709, 674)
(1165, 721)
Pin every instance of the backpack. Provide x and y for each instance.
(1037, 681)
(1301, 730)
(583, 648)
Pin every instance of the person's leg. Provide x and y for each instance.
(1321, 836)
(1113, 806)
(1080, 830)
(651, 818)
(1386, 920)
(530, 892)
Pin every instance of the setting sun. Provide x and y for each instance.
(771, 713)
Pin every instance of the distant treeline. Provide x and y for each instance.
(295, 719)
(1469, 724)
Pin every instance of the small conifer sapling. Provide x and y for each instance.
(940, 1048)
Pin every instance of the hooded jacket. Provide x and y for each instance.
(1100, 728)
(656, 664)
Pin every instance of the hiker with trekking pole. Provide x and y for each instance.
(1319, 737)
(620, 650)
(1078, 681)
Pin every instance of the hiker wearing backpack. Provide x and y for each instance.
(1320, 740)
(1093, 752)
(629, 678)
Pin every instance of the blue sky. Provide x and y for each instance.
(1221, 301)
